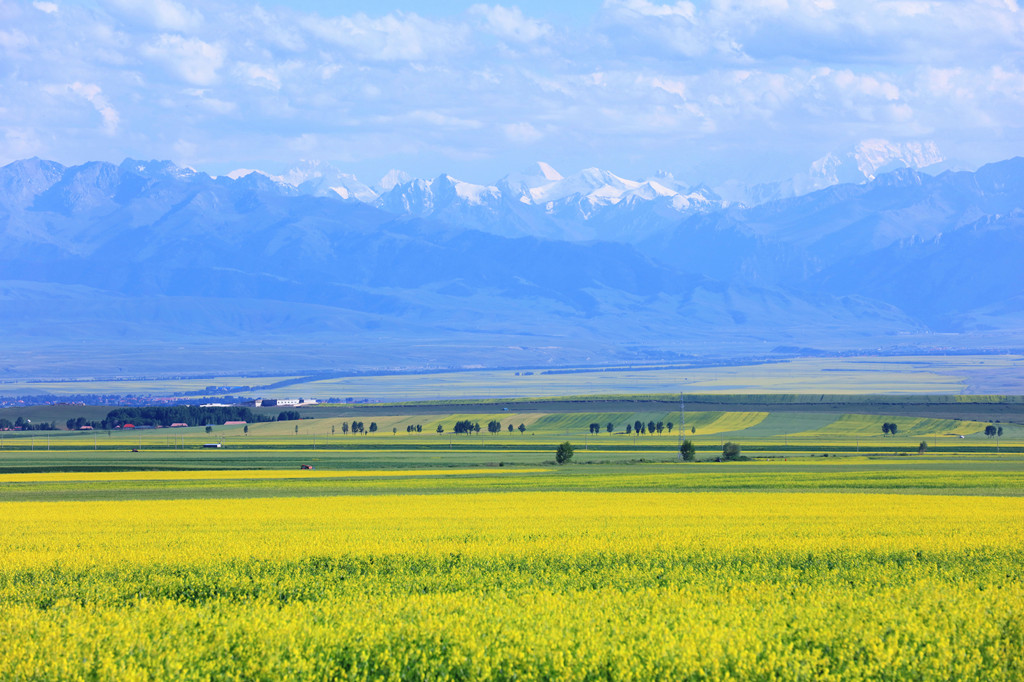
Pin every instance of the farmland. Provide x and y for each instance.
(524, 584)
(891, 375)
(833, 552)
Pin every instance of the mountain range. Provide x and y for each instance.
(147, 267)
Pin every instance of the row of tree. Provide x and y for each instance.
(687, 452)
(26, 425)
(359, 427)
(465, 426)
(193, 415)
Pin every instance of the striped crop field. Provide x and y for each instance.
(862, 426)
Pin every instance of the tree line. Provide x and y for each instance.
(26, 425)
(166, 415)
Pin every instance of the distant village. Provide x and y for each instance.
(266, 402)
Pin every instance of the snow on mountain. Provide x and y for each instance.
(320, 178)
(474, 194)
(422, 198)
(242, 172)
(159, 255)
(593, 204)
(858, 164)
(878, 156)
(537, 175)
(601, 187)
(392, 179)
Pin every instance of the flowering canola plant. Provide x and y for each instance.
(523, 585)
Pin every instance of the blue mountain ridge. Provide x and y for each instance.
(146, 266)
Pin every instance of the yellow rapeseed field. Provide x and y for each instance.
(517, 585)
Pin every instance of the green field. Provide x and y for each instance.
(773, 429)
(945, 375)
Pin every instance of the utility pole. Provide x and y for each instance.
(682, 426)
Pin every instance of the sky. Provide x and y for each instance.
(709, 91)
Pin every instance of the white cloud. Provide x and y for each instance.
(854, 84)
(672, 86)
(163, 15)
(435, 118)
(217, 106)
(261, 76)
(278, 30)
(657, 79)
(523, 133)
(398, 36)
(14, 40)
(92, 93)
(643, 8)
(192, 59)
(510, 24)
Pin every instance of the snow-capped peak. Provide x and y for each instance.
(320, 178)
(874, 156)
(239, 173)
(536, 175)
(548, 172)
(392, 179)
(598, 185)
(475, 194)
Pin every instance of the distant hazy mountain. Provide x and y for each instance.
(858, 164)
(538, 201)
(938, 248)
(145, 266)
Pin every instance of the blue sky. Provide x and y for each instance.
(708, 90)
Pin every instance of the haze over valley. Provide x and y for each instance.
(170, 269)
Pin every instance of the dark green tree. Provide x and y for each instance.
(990, 430)
(440, 429)
(522, 428)
(687, 450)
(564, 452)
(209, 429)
(610, 428)
(730, 451)
(493, 426)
